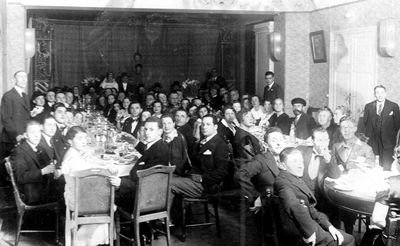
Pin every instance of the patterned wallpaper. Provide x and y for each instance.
(302, 77)
(361, 14)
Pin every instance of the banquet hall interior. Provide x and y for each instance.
(325, 52)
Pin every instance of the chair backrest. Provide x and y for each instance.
(93, 192)
(153, 189)
(20, 204)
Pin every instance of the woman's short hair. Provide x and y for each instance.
(73, 131)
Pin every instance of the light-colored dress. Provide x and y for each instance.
(88, 235)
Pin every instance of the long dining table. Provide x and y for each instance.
(110, 148)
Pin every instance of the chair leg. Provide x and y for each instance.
(167, 231)
(19, 225)
(111, 233)
(183, 235)
(57, 212)
(137, 234)
(118, 229)
(215, 204)
(206, 213)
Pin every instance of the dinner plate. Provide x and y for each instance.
(343, 187)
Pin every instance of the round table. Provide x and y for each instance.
(349, 200)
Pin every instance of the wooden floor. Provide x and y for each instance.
(236, 231)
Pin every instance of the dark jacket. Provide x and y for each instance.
(127, 126)
(282, 121)
(178, 154)
(129, 88)
(304, 126)
(225, 133)
(27, 166)
(271, 94)
(212, 163)
(385, 127)
(15, 113)
(299, 203)
(60, 146)
(187, 132)
(257, 175)
(245, 145)
(157, 154)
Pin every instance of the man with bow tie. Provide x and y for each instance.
(210, 165)
(299, 205)
(15, 113)
(132, 125)
(272, 90)
(32, 166)
(317, 166)
(382, 122)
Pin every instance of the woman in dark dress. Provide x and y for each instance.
(280, 119)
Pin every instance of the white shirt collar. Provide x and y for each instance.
(205, 140)
(19, 90)
(148, 145)
(32, 146)
(47, 138)
(270, 86)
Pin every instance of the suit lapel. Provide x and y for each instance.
(385, 111)
(207, 145)
(22, 100)
(29, 151)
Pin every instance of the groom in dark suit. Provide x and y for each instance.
(154, 152)
(15, 113)
(382, 122)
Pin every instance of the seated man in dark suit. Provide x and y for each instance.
(302, 122)
(317, 166)
(183, 126)
(256, 176)
(32, 166)
(210, 166)
(227, 127)
(245, 145)
(60, 143)
(154, 152)
(299, 204)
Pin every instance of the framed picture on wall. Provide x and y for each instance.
(318, 49)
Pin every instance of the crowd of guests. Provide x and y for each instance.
(205, 137)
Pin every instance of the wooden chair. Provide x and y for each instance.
(151, 201)
(22, 208)
(94, 202)
(213, 200)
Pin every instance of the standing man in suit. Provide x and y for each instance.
(125, 86)
(15, 113)
(210, 165)
(272, 90)
(382, 122)
(32, 166)
(154, 152)
(302, 122)
(299, 204)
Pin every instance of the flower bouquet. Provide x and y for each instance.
(190, 88)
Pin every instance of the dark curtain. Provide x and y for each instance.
(169, 52)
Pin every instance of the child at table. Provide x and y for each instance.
(77, 159)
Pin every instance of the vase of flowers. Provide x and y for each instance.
(190, 88)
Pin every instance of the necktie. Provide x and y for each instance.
(380, 107)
